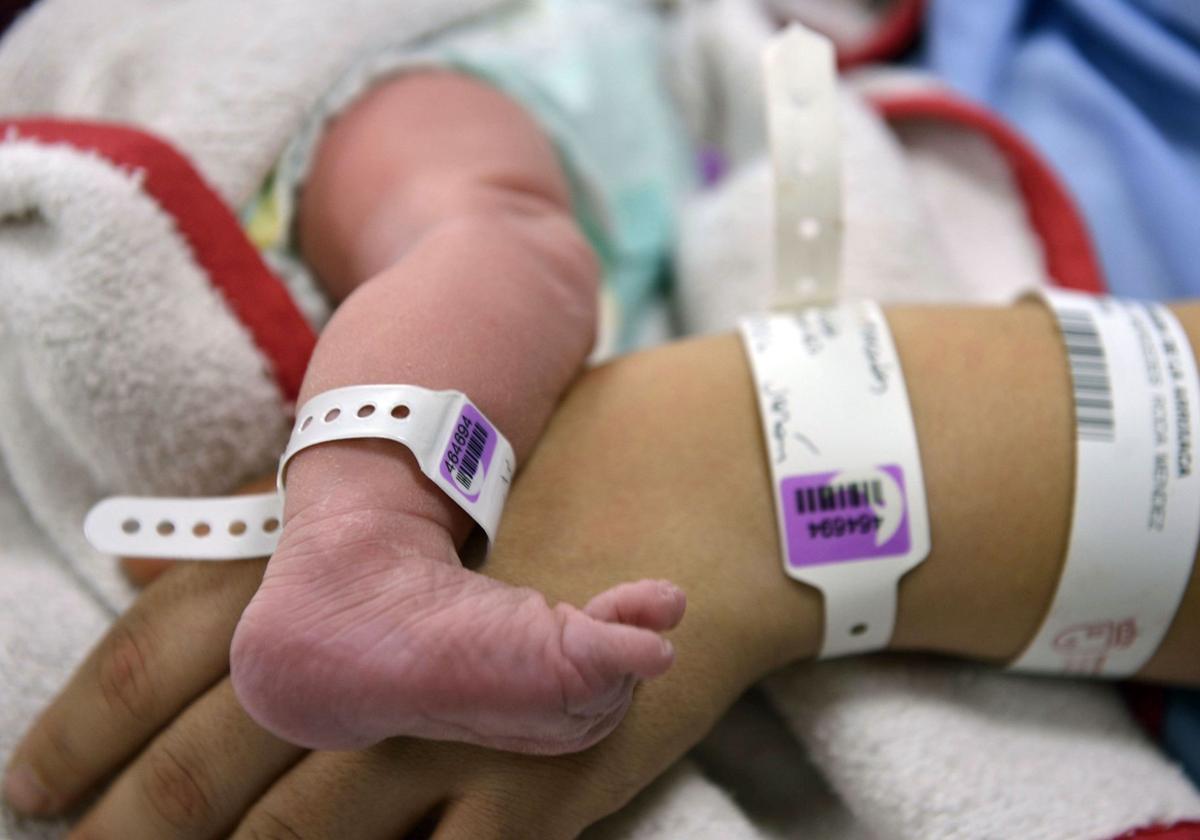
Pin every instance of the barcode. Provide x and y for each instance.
(470, 459)
(1090, 380)
(839, 497)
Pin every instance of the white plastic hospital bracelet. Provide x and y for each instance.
(800, 68)
(1136, 522)
(845, 468)
(455, 446)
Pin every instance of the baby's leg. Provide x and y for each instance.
(438, 212)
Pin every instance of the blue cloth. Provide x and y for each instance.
(1181, 729)
(1109, 91)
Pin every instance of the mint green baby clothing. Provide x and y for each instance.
(591, 72)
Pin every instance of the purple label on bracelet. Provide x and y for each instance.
(840, 517)
(469, 453)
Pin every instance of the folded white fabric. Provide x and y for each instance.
(680, 804)
(227, 82)
(121, 368)
(942, 751)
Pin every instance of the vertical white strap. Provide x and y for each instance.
(802, 111)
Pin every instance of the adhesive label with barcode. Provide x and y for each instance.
(1136, 517)
(843, 516)
(846, 470)
(468, 453)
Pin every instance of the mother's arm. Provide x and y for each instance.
(653, 466)
(671, 477)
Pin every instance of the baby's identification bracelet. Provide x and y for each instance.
(845, 468)
(455, 446)
(1136, 518)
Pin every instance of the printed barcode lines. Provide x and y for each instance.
(471, 458)
(1090, 379)
(835, 497)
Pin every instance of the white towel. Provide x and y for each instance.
(940, 751)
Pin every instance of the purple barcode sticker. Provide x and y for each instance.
(841, 517)
(469, 452)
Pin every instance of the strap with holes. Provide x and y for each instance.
(455, 445)
(231, 528)
(802, 111)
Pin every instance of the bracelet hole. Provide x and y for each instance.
(401, 412)
(334, 413)
(165, 528)
(366, 411)
(308, 421)
(802, 97)
(809, 228)
(131, 526)
(271, 525)
(237, 528)
(858, 629)
(201, 529)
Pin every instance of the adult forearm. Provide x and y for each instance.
(991, 399)
(992, 402)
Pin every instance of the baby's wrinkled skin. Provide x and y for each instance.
(406, 640)
(457, 263)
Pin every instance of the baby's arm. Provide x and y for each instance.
(437, 214)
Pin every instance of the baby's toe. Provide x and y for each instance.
(608, 656)
(651, 604)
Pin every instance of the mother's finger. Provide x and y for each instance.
(489, 818)
(197, 778)
(170, 647)
(142, 571)
(378, 793)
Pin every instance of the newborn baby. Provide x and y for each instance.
(447, 225)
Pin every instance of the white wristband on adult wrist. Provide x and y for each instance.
(455, 446)
(845, 468)
(1136, 517)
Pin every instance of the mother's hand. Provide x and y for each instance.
(641, 473)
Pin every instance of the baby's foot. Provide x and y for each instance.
(366, 628)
